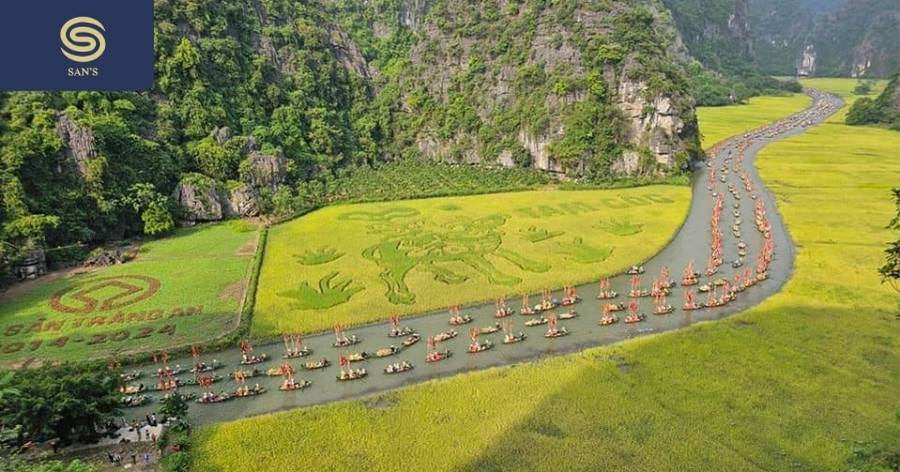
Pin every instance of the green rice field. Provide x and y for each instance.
(179, 290)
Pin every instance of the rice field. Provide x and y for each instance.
(353, 264)
(179, 290)
(798, 383)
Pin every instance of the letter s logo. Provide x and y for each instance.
(82, 39)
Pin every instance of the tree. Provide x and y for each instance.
(68, 401)
(174, 406)
(153, 208)
(890, 271)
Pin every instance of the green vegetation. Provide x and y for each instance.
(175, 441)
(890, 271)
(404, 180)
(884, 110)
(180, 290)
(782, 386)
(321, 87)
(489, 246)
(719, 123)
(69, 402)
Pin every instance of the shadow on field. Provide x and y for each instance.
(782, 387)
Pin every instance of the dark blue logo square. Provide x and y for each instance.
(77, 45)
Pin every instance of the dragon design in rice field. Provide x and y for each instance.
(435, 248)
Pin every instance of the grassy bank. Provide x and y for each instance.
(797, 383)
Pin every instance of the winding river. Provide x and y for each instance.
(692, 243)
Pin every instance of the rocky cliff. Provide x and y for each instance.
(577, 88)
(834, 38)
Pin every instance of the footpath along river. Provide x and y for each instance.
(692, 243)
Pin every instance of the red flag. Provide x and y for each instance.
(343, 361)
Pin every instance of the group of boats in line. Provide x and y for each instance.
(719, 292)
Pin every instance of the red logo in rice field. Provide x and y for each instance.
(117, 292)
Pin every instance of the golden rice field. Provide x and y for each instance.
(354, 264)
(794, 384)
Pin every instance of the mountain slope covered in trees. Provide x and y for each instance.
(257, 101)
(843, 38)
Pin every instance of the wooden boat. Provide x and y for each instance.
(351, 374)
(400, 332)
(489, 329)
(536, 322)
(184, 396)
(663, 310)
(613, 307)
(514, 338)
(346, 341)
(357, 356)
(398, 367)
(196, 381)
(247, 373)
(607, 295)
(409, 341)
(203, 367)
(319, 364)
(254, 359)
(133, 401)
(639, 293)
(569, 301)
(608, 320)
(175, 382)
(546, 306)
(131, 376)
(209, 397)
(568, 315)
(292, 385)
(274, 371)
(557, 333)
(440, 337)
(635, 270)
(460, 320)
(387, 351)
(245, 391)
(635, 318)
(503, 312)
(526, 310)
(298, 353)
(476, 347)
(438, 356)
(132, 389)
